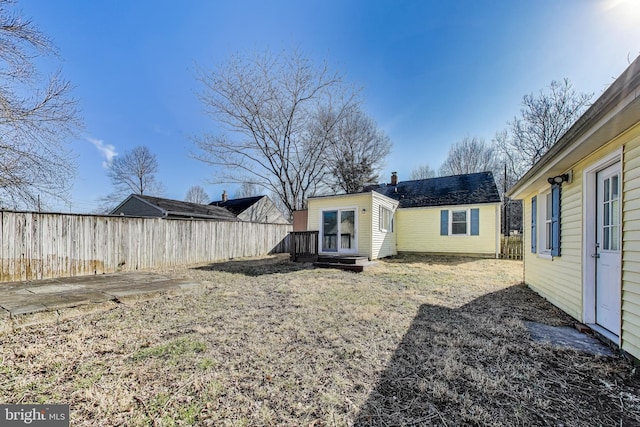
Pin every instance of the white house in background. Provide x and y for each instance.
(253, 209)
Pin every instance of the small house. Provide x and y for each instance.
(447, 215)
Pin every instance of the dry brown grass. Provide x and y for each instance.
(415, 341)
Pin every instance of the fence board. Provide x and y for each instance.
(41, 245)
(511, 247)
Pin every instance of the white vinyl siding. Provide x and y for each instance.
(383, 239)
(631, 244)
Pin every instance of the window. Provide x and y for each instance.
(385, 220)
(611, 215)
(549, 216)
(534, 224)
(547, 222)
(460, 222)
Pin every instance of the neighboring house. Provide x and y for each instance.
(147, 206)
(448, 215)
(582, 216)
(254, 209)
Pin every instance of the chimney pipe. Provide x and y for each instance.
(225, 196)
(394, 178)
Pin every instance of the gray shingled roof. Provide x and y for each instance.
(468, 189)
(186, 209)
(237, 206)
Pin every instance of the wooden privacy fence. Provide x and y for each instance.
(511, 247)
(303, 245)
(42, 245)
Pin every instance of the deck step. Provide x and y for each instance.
(336, 259)
(358, 268)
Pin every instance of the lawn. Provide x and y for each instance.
(414, 341)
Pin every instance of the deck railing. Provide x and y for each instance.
(304, 245)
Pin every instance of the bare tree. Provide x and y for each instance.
(423, 172)
(267, 107)
(469, 155)
(543, 120)
(247, 189)
(132, 173)
(356, 153)
(197, 194)
(36, 118)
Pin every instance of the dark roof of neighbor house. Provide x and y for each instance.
(237, 206)
(186, 209)
(467, 189)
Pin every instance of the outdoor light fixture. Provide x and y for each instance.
(364, 211)
(558, 179)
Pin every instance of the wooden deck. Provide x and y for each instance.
(349, 263)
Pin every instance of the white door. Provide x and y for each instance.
(608, 247)
(339, 231)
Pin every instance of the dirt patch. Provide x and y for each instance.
(415, 341)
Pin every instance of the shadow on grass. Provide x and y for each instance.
(257, 267)
(476, 365)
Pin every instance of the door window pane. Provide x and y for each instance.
(615, 238)
(330, 231)
(347, 229)
(606, 189)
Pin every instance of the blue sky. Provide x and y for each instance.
(433, 72)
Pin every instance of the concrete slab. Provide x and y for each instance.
(28, 303)
(54, 288)
(69, 299)
(25, 308)
(564, 337)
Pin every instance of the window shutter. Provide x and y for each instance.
(444, 222)
(534, 224)
(475, 222)
(555, 220)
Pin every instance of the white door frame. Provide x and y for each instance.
(353, 250)
(589, 207)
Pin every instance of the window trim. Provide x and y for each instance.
(467, 218)
(382, 227)
(472, 220)
(548, 229)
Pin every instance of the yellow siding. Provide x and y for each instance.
(363, 218)
(383, 243)
(560, 279)
(631, 244)
(418, 230)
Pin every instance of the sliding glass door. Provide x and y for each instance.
(339, 231)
